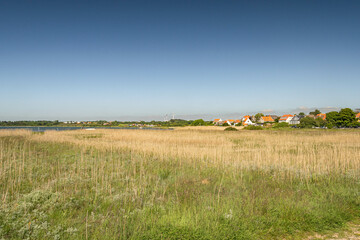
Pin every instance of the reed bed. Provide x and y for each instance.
(182, 184)
(303, 153)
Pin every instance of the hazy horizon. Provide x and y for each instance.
(205, 116)
(141, 60)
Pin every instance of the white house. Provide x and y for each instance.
(246, 121)
(286, 118)
(218, 121)
(296, 119)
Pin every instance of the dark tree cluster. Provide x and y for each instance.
(29, 123)
(345, 118)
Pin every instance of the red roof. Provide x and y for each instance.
(358, 115)
(286, 116)
(245, 119)
(321, 115)
(268, 119)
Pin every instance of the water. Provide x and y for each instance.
(43, 129)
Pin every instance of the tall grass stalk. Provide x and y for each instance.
(187, 184)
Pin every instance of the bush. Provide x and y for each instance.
(252, 127)
(281, 125)
(225, 124)
(354, 125)
(198, 122)
(31, 218)
(307, 122)
(329, 125)
(230, 129)
(320, 122)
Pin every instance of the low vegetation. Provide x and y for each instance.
(230, 129)
(253, 127)
(281, 125)
(103, 123)
(182, 184)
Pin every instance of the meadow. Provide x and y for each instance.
(190, 183)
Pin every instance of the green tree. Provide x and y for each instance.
(346, 118)
(209, 123)
(302, 114)
(320, 122)
(307, 122)
(332, 118)
(198, 122)
(258, 116)
(316, 112)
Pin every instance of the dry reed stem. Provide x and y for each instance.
(299, 153)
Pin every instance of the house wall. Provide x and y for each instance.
(248, 122)
(287, 120)
(294, 122)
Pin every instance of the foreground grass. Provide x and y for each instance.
(52, 190)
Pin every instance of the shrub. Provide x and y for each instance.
(307, 122)
(230, 129)
(198, 122)
(354, 125)
(225, 124)
(320, 122)
(281, 125)
(31, 218)
(252, 127)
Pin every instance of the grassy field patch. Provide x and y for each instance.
(189, 185)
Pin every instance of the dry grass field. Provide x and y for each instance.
(190, 183)
(295, 153)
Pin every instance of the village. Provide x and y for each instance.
(261, 120)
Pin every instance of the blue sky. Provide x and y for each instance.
(88, 60)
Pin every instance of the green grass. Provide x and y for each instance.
(71, 192)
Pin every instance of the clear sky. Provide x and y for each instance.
(88, 60)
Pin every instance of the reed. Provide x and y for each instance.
(301, 153)
(187, 183)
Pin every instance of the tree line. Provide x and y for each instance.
(42, 123)
(345, 118)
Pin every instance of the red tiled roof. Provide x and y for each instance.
(245, 119)
(267, 119)
(321, 115)
(286, 116)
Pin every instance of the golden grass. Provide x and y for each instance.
(300, 153)
(218, 128)
(309, 177)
